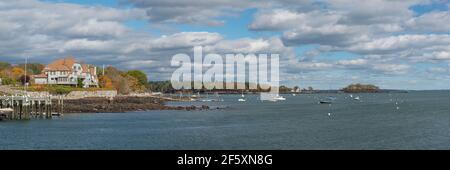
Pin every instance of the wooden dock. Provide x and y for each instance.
(26, 108)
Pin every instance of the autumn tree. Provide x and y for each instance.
(139, 75)
(32, 68)
(105, 82)
(17, 72)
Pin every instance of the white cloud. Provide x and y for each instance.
(93, 27)
(443, 55)
(354, 62)
(192, 12)
(385, 36)
(433, 21)
(185, 40)
(85, 44)
(392, 68)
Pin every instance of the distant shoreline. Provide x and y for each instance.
(122, 104)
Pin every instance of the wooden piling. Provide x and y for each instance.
(25, 107)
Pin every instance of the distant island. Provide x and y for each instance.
(361, 88)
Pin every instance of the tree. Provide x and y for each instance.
(24, 79)
(161, 86)
(139, 75)
(32, 68)
(296, 89)
(79, 82)
(4, 65)
(17, 72)
(7, 81)
(105, 82)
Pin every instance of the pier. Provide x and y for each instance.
(26, 107)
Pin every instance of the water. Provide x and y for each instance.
(421, 121)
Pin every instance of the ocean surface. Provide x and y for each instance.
(415, 120)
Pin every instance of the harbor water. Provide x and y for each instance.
(414, 120)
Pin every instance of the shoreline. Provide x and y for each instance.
(122, 104)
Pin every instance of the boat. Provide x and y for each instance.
(207, 100)
(55, 114)
(325, 102)
(331, 98)
(293, 94)
(218, 98)
(356, 98)
(242, 100)
(6, 110)
(279, 98)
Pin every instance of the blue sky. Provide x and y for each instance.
(327, 44)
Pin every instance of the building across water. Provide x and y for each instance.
(68, 71)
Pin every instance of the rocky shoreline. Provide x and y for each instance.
(121, 105)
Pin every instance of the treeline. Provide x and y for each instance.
(15, 74)
(124, 82)
(166, 87)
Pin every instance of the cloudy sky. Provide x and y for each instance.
(397, 44)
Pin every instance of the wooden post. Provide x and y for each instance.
(13, 116)
(48, 108)
(26, 110)
(62, 106)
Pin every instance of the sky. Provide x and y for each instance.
(395, 44)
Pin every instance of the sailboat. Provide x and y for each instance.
(195, 97)
(218, 97)
(242, 99)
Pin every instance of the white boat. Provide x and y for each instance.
(293, 94)
(6, 110)
(357, 98)
(242, 100)
(279, 98)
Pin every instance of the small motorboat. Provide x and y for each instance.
(325, 102)
(242, 100)
(357, 98)
(279, 98)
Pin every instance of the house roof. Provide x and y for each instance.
(64, 64)
(40, 76)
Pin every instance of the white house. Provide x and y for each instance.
(67, 71)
